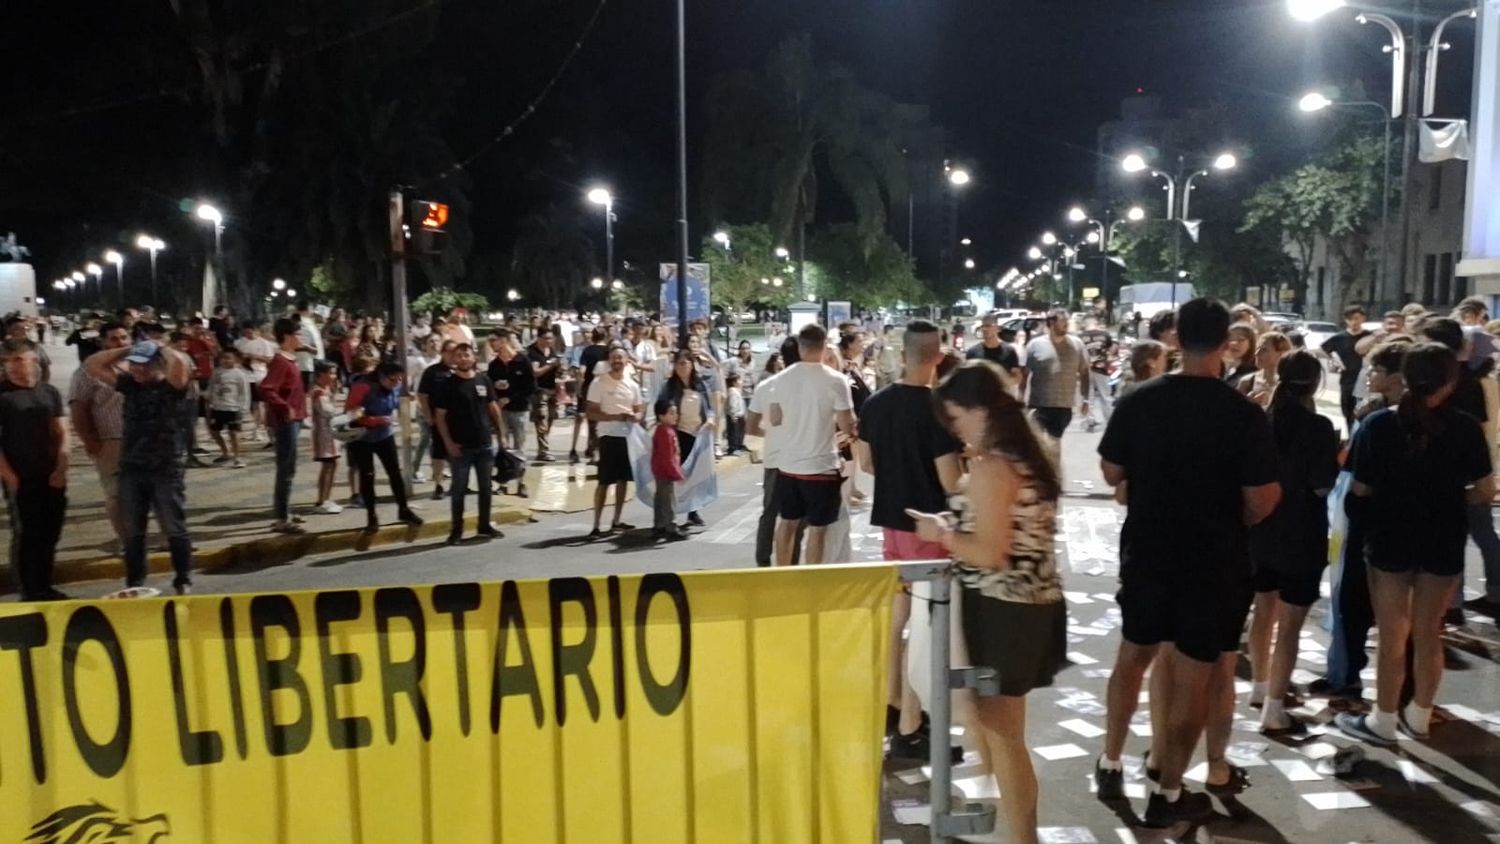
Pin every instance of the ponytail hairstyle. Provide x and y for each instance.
(1299, 375)
(982, 385)
(1428, 369)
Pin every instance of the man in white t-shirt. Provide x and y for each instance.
(256, 351)
(757, 424)
(810, 406)
(614, 401)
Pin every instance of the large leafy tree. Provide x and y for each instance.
(849, 268)
(553, 258)
(773, 133)
(1336, 200)
(746, 272)
(314, 113)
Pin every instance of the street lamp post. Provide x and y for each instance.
(601, 196)
(1315, 102)
(213, 215)
(152, 246)
(1404, 97)
(97, 272)
(118, 260)
(1104, 237)
(1135, 163)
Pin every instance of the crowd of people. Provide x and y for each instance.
(1235, 487)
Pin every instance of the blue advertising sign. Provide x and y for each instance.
(697, 293)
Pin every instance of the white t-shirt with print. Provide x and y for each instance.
(615, 395)
(259, 346)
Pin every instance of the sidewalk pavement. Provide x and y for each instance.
(229, 512)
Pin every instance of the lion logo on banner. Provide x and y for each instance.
(95, 823)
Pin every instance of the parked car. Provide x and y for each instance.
(1317, 333)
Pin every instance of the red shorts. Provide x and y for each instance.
(901, 545)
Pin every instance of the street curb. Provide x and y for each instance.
(276, 550)
(280, 549)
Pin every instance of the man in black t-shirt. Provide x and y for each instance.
(467, 418)
(991, 348)
(33, 469)
(588, 360)
(545, 365)
(430, 384)
(915, 462)
(1198, 466)
(1341, 349)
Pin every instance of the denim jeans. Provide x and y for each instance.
(1482, 531)
(514, 435)
(141, 493)
(286, 468)
(482, 461)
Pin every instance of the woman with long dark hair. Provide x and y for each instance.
(688, 392)
(1001, 537)
(1290, 549)
(1239, 358)
(1419, 465)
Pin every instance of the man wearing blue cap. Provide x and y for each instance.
(151, 460)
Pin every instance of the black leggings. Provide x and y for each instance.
(363, 454)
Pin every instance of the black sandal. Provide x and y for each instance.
(1239, 780)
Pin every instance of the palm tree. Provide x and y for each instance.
(771, 134)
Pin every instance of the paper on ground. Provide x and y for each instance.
(1080, 658)
(1329, 800)
(1054, 752)
(1082, 727)
(1295, 770)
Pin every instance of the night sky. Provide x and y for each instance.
(98, 140)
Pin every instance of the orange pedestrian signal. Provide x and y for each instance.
(435, 215)
(429, 235)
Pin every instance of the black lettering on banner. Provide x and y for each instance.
(267, 611)
(513, 679)
(663, 698)
(232, 670)
(339, 669)
(617, 644)
(403, 677)
(455, 599)
(21, 633)
(88, 624)
(573, 659)
(198, 748)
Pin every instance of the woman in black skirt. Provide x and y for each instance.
(1001, 537)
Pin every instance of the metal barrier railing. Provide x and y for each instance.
(968, 818)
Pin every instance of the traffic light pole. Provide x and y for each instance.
(400, 317)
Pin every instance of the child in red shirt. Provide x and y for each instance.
(666, 468)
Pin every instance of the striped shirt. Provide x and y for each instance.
(104, 402)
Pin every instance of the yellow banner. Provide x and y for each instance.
(711, 706)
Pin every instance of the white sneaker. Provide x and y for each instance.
(419, 478)
(238, 464)
(328, 508)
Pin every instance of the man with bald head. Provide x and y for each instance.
(915, 462)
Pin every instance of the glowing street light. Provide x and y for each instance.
(602, 197)
(1226, 161)
(77, 276)
(597, 283)
(152, 246)
(968, 263)
(617, 285)
(94, 270)
(278, 284)
(1077, 215)
(1048, 238)
(213, 215)
(291, 294)
(1135, 214)
(1311, 10)
(1133, 163)
(722, 238)
(958, 177)
(113, 257)
(777, 282)
(966, 242)
(782, 253)
(1034, 253)
(1313, 101)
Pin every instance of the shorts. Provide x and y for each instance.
(1053, 420)
(1202, 616)
(902, 545)
(254, 393)
(438, 451)
(810, 499)
(614, 461)
(224, 420)
(333, 459)
(1298, 588)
